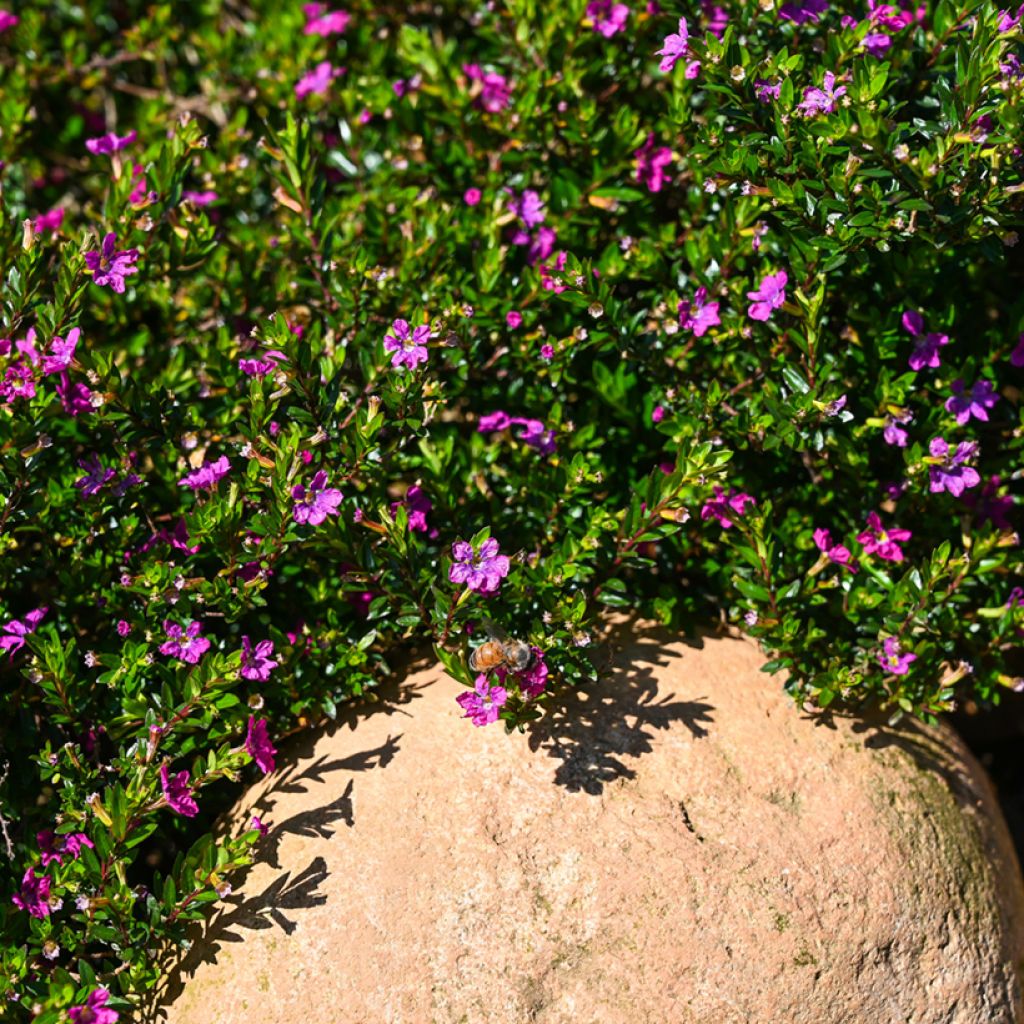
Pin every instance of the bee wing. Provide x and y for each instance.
(494, 631)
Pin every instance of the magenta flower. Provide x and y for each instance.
(34, 895)
(1017, 355)
(531, 680)
(203, 198)
(676, 46)
(329, 24)
(184, 644)
(513, 319)
(481, 570)
(823, 100)
(14, 632)
(124, 628)
(96, 476)
(8, 20)
(834, 552)
(770, 295)
(767, 91)
(495, 92)
(724, 507)
(547, 352)
(608, 17)
(483, 703)
(95, 1010)
(258, 826)
(893, 432)
(314, 505)
(318, 80)
(258, 746)
(75, 397)
(494, 421)
(951, 473)
(109, 267)
(18, 382)
(699, 317)
(418, 506)
(257, 662)
(991, 506)
(178, 793)
(975, 402)
(803, 10)
(110, 143)
(893, 659)
(409, 347)
(529, 208)
(53, 847)
(49, 221)
(881, 542)
(207, 476)
(651, 164)
(472, 196)
(926, 351)
(61, 352)
(717, 18)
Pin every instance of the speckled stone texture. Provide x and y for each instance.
(679, 845)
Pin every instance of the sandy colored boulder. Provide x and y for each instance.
(682, 845)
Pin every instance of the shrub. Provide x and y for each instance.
(333, 333)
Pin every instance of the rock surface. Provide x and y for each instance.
(682, 845)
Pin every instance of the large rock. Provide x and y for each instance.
(680, 845)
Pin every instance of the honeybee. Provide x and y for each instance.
(499, 651)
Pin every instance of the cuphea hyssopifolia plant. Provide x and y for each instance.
(450, 323)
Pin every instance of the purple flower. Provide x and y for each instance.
(96, 475)
(481, 570)
(185, 644)
(718, 19)
(767, 91)
(770, 295)
(61, 352)
(532, 679)
(418, 507)
(699, 317)
(409, 347)
(975, 402)
(110, 143)
(834, 552)
(529, 208)
(513, 319)
(95, 1010)
(261, 367)
(823, 100)
(109, 267)
(881, 542)
(49, 221)
(207, 476)
(257, 662)
(724, 507)
(203, 198)
(951, 472)
(877, 44)
(801, 11)
(314, 505)
(53, 847)
(494, 421)
(124, 628)
(316, 81)
(893, 659)
(674, 47)
(75, 397)
(651, 164)
(535, 435)
(14, 632)
(495, 92)
(1017, 355)
(8, 20)
(608, 17)
(893, 432)
(257, 743)
(483, 703)
(926, 351)
(18, 382)
(331, 23)
(178, 793)
(34, 895)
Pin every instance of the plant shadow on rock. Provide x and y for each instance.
(592, 730)
(290, 891)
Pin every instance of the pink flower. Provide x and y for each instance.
(881, 542)
(409, 347)
(110, 143)
(608, 17)
(699, 317)
(724, 507)
(8, 20)
(124, 628)
(767, 91)
(676, 46)
(61, 352)
(200, 198)
(975, 402)
(34, 895)
(257, 662)
(257, 744)
(95, 1010)
(483, 703)
(893, 659)
(770, 295)
(481, 570)
(529, 208)
(184, 644)
(208, 475)
(258, 826)
(178, 793)
(331, 23)
(317, 81)
(893, 433)
(15, 631)
(75, 397)
(547, 352)
(109, 267)
(50, 221)
(495, 92)
(651, 163)
(513, 319)
(823, 100)
(418, 507)
(314, 505)
(54, 847)
(950, 473)
(834, 552)
(531, 680)
(803, 10)
(471, 196)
